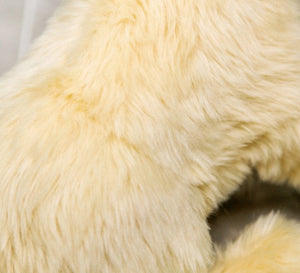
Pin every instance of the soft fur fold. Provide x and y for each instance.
(131, 120)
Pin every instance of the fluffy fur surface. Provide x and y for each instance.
(131, 120)
(271, 245)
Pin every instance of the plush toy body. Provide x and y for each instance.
(131, 120)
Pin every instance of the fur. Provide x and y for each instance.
(271, 245)
(131, 120)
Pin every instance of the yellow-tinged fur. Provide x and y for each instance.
(131, 120)
(271, 245)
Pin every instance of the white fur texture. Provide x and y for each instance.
(131, 120)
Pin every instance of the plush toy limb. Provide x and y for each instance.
(271, 245)
(125, 126)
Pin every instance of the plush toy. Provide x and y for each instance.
(131, 120)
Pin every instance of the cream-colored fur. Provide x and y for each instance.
(131, 120)
(271, 245)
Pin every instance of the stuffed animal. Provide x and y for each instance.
(131, 120)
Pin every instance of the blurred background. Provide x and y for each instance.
(20, 22)
(23, 20)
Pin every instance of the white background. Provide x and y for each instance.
(20, 22)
